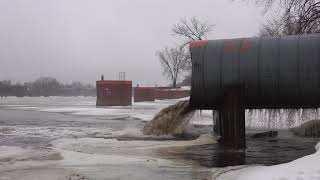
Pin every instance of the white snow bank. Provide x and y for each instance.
(305, 168)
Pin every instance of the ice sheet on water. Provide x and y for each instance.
(85, 106)
(45, 101)
(141, 110)
(53, 132)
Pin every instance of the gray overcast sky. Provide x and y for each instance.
(81, 39)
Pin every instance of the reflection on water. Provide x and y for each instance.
(265, 151)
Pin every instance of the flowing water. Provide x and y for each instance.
(279, 118)
(108, 143)
(171, 120)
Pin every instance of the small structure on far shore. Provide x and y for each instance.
(152, 93)
(169, 93)
(144, 94)
(114, 92)
(119, 92)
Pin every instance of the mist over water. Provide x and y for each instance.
(279, 118)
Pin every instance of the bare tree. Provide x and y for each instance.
(271, 28)
(192, 30)
(299, 16)
(278, 27)
(173, 62)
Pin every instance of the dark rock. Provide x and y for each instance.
(265, 134)
(308, 129)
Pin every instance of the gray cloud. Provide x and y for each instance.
(80, 39)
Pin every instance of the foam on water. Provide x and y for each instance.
(170, 120)
(128, 132)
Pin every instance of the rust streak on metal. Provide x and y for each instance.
(199, 43)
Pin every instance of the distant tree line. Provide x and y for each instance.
(46, 86)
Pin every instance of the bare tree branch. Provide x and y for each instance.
(173, 62)
(299, 16)
(192, 30)
(176, 60)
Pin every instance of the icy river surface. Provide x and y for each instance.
(70, 138)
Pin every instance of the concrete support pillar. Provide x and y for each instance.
(232, 118)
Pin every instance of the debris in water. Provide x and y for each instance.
(265, 134)
(170, 120)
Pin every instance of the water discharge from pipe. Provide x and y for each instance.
(280, 118)
(171, 120)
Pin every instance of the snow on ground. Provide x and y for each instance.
(305, 168)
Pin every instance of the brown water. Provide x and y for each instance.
(171, 120)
